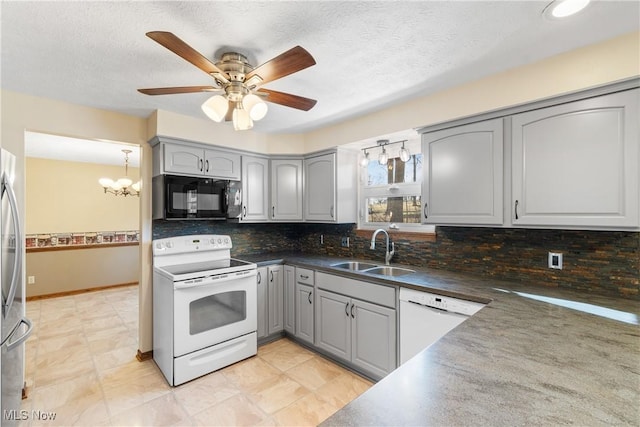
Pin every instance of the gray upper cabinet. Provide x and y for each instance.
(463, 174)
(576, 164)
(192, 160)
(286, 190)
(320, 203)
(330, 187)
(255, 189)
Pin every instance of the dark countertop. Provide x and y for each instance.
(519, 361)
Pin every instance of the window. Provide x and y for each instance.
(391, 193)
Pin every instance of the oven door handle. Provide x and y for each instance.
(213, 280)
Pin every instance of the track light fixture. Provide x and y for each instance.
(383, 157)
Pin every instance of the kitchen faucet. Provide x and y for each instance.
(388, 255)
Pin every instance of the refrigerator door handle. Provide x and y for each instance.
(20, 340)
(15, 277)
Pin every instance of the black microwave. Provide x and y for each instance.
(183, 197)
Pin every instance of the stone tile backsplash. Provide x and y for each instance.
(603, 262)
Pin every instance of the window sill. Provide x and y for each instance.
(420, 236)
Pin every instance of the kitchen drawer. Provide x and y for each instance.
(304, 275)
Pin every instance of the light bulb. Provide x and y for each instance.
(384, 157)
(256, 107)
(364, 162)
(105, 182)
(405, 155)
(136, 186)
(216, 108)
(241, 118)
(124, 182)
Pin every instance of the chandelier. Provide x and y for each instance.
(123, 186)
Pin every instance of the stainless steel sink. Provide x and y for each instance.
(389, 271)
(354, 265)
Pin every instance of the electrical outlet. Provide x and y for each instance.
(31, 280)
(345, 242)
(322, 239)
(555, 260)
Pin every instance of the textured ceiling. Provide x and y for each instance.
(369, 54)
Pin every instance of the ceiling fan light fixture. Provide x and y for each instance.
(256, 107)
(241, 118)
(216, 108)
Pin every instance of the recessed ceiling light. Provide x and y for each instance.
(559, 9)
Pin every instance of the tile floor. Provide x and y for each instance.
(80, 365)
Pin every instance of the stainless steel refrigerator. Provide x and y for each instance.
(15, 326)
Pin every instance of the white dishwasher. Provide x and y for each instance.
(426, 317)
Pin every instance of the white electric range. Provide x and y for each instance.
(204, 306)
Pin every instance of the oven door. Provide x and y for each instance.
(214, 309)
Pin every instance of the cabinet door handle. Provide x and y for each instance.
(304, 276)
(310, 298)
(516, 209)
(346, 310)
(206, 168)
(331, 211)
(352, 316)
(201, 165)
(273, 212)
(426, 215)
(271, 280)
(259, 278)
(244, 211)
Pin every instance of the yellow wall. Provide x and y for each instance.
(76, 269)
(65, 196)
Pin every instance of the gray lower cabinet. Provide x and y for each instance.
(275, 299)
(261, 279)
(289, 299)
(357, 331)
(304, 312)
(333, 324)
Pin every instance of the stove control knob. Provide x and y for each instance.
(226, 240)
(219, 241)
(213, 241)
(159, 245)
(169, 244)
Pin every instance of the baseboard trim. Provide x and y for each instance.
(147, 355)
(79, 291)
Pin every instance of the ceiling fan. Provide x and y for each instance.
(240, 84)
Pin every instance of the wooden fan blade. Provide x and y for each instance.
(180, 89)
(288, 100)
(186, 52)
(289, 62)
